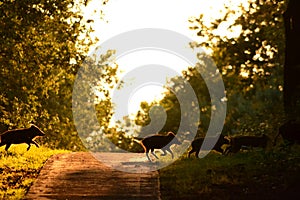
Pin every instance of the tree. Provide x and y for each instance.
(172, 105)
(251, 65)
(41, 52)
(291, 65)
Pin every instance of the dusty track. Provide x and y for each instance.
(80, 176)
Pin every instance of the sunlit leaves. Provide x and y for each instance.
(260, 43)
(251, 63)
(247, 46)
(40, 56)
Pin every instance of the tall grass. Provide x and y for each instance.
(19, 168)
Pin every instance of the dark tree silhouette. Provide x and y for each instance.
(292, 60)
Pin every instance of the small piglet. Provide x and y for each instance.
(197, 143)
(159, 142)
(237, 142)
(18, 136)
(290, 132)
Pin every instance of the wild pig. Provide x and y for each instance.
(196, 144)
(290, 132)
(159, 142)
(18, 136)
(237, 142)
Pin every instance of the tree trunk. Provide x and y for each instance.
(292, 60)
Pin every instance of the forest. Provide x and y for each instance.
(40, 59)
(44, 44)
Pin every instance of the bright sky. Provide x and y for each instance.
(125, 15)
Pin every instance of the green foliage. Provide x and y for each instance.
(257, 50)
(19, 168)
(43, 44)
(121, 140)
(92, 95)
(92, 92)
(251, 66)
(172, 106)
(245, 175)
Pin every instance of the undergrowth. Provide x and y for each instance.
(19, 168)
(244, 175)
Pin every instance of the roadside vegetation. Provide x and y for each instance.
(19, 168)
(253, 174)
(42, 50)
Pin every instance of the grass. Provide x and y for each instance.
(19, 168)
(245, 175)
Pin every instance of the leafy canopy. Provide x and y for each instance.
(43, 44)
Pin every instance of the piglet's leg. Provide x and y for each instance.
(169, 150)
(152, 152)
(35, 143)
(28, 146)
(148, 157)
(147, 151)
(164, 152)
(7, 146)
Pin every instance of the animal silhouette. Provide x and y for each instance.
(18, 136)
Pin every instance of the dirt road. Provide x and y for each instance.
(80, 176)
